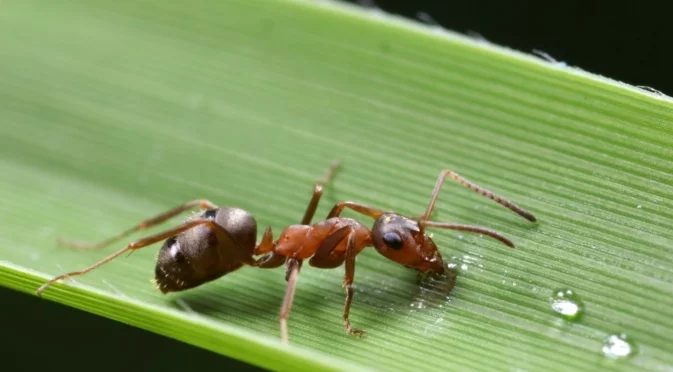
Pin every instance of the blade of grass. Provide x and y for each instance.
(113, 112)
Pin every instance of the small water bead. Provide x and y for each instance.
(567, 304)
(618, 346)
(419, 304)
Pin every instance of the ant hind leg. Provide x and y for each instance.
(142, 225)
(144, 242)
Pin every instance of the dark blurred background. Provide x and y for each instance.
(629, 42)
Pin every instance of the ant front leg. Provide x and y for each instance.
(357, 207)
(202, 203)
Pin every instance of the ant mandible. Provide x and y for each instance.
(220, 240)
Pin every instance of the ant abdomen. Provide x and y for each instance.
(197, 256)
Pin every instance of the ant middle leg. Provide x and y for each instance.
(145, 224)
(348, 283)
(323, 259)
(317, 193)
(476, 188)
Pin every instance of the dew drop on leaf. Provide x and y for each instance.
(618, 346)
(567, 304)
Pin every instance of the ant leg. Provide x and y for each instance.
(202, 203)
(348, 283)
(140, 244)
(357, 207)
(476, 188)
(469, 228)
(317, 193)
(321, 258)
(293, 266)
(272, 260)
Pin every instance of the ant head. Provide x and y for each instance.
(402, 240)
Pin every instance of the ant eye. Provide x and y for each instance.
(393, 240)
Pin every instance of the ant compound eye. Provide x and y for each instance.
(393, 240)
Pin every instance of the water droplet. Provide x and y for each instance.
(618, 346)
(419, 304)
(567, 304)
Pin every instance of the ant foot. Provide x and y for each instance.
(73, 244)
(354, 332)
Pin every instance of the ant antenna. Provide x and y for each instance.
(469, 228)
(476, 188)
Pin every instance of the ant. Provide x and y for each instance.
(220, 240)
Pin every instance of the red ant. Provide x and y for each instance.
(220, 240)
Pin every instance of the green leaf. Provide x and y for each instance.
(113, 112)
